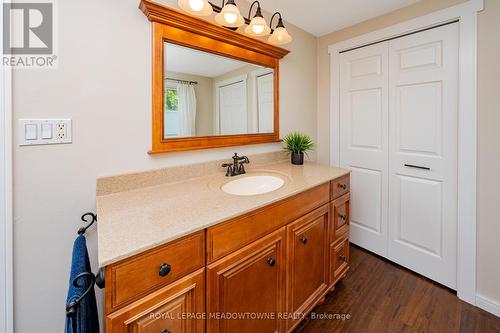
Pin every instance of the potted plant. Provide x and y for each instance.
(297, 144)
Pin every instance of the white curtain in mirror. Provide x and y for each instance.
(187, 109)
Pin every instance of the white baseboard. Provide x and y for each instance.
(488, 305)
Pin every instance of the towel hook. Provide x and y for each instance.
(71, 307)
(90, 218)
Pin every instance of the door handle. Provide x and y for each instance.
(417, 167)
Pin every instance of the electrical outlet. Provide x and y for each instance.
(44, 131)
(61, 131)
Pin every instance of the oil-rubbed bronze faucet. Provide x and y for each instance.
(237, 167)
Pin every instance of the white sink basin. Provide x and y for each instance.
(253, 185)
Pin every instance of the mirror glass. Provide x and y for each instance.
(207, 95)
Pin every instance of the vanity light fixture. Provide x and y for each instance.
(258, 25)
(196, 7)
(230, 15)
(279, 35)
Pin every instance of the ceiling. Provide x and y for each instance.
(189, 61)
(320, 17)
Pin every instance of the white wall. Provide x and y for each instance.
(5, 201)
(5, 198)
(103, 83)
(488, 163)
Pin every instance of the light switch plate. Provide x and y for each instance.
(44, 131)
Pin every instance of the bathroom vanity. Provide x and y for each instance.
(184, 256)
(185, 250)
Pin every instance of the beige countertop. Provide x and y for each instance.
(136, 220)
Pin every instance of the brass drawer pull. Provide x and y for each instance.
(303, 240)
(342, 258)
(342, 186)
(343, 217)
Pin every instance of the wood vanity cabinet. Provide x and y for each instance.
(260, 272)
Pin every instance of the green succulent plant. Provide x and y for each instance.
(296, 142)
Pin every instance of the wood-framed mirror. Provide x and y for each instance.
(212, 87)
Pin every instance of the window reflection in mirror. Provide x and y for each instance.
(207, 95)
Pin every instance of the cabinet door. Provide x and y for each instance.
(177, 307)
(248, 283)
(307, 276)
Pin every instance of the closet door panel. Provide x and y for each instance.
(423, 122)
(363, 141)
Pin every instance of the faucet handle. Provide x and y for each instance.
(229, 170)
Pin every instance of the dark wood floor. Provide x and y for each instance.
(382, 297)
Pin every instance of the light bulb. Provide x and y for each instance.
(258, 29)
(196, 5)
(280, 36)
(230, 17)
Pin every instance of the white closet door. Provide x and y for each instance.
(364, 142)
(265, 102)
(423, 113)
(233, 108)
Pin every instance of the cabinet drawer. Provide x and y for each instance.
(227, 237)
(178, 307)
(340, 186)
(339, 260)
(135, 277)
(341, 211)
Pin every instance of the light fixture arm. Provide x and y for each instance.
(258, 12)
(223, 4)
(280, 22)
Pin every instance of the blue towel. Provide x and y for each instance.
(85, 320)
